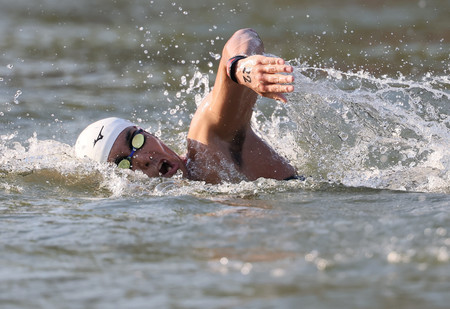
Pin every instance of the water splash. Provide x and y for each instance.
(339, 128)
(359, 130)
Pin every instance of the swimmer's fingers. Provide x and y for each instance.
(267, 76)
(273, 75)
(262, 64)
(271, 60)
(273, 69)
(275, 91)
(274, 78)
(277, 79)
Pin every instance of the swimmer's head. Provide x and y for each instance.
(110, 140)
(97, 139)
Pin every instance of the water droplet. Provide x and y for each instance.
(343, 136)
(223, 261)
(16, 96)
(321, 264)
(246, 268)
(394, 257)
(277, 272)
(441, 231)
(215, 56)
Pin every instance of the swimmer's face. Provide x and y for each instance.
(154, 158)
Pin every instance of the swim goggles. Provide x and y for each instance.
(137, 141)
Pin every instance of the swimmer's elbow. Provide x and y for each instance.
(243, 41)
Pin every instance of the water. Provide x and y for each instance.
(368, 124)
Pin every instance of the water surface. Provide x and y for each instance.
(368, 124)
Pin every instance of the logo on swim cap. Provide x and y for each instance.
(97, 139)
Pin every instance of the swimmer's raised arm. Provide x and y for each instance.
(221, 141)
(228, 108)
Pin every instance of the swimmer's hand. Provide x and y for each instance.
(269, 77)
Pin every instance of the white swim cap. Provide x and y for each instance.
(97, 139)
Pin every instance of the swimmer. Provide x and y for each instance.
(221, 145)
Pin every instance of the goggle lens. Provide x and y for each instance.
(137, 142)
(124, 163)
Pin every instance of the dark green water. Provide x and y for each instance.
(369, 123)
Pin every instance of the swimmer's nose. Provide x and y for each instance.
(147, 164)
